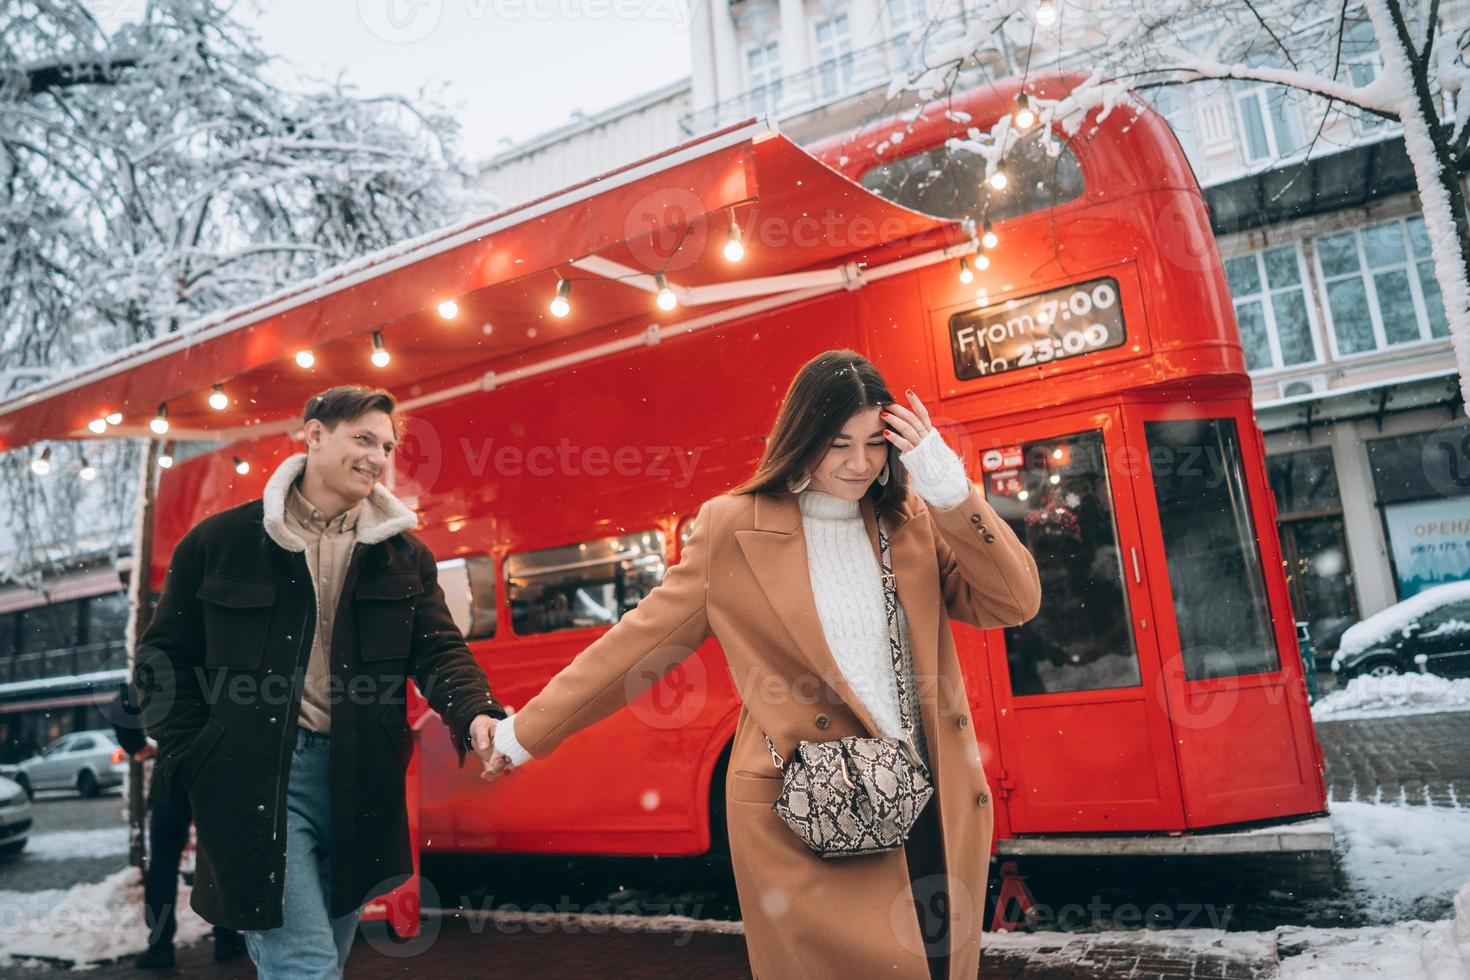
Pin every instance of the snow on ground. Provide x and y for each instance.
(1402, 862)
(1386, 697)
(60, 845)
(86, 923)
(1403, 951)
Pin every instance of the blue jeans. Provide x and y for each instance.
(311, 945)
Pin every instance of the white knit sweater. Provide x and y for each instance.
(847, 585)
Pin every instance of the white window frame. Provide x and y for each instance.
(1364, 123)
(836, 64)
(763, 82)
(1266, 294)
(1410, 266)
(1259, 92)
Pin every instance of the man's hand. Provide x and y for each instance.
(147, 752)
(482, 739)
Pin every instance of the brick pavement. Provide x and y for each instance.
(1420, 760)
(460, 952)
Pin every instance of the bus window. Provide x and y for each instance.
(469, 590)
(580, 585)
(950, 183)
(1214, 566)
(1060, 504)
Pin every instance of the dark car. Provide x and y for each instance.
(1426, 633)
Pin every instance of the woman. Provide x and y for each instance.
(784, 572)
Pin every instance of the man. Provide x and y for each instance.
(275, 671)
(168, 832)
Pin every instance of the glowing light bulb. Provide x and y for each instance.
(165, 461)
(966, 276)
(999, 180)
(41, 465)
(218, 400)
(1024, 117)
(98, 426)
(982, 261)
(159, 422)
(561, 303)
(449, 309)
(990, 239)
(734, 247)
(87, 472)
(380, 353)
(1046, 13)
(305, 358)
(114, 418)
(241, 466)
(666, 298)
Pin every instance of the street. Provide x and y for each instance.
(606, 917)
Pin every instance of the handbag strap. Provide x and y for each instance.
(895, 637)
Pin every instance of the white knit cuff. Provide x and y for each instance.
(938, 474)
(507, 744)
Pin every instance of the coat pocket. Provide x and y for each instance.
(237, 616)
(384, 608)
(399, 735)
(189, 764)
(747, 787)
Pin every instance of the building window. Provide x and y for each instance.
(1380, 287)
(834, 56)
(1314, 544)
(1269, 289)
(763, 72)
(1270, 125)
(1362, 62)
(582, 585)
(908, 16)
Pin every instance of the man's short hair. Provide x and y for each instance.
(347, 402)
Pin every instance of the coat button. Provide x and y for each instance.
(983, 799)
(964, 721)
(989, 538)
(822, 721)
(975, 519)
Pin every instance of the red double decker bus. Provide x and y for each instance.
(1090, 374)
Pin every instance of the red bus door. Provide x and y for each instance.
(1084, 738)
(1232, 682)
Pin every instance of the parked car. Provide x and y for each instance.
(87, 762)
(15, 817)
(1428, 632)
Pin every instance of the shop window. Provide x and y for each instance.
(1422, 484)
(1210, 548)
(583, 585)
(1060, 505)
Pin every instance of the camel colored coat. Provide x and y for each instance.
(743, 579)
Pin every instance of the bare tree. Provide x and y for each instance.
(153, 175)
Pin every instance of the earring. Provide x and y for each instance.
(797, 486)
(883, 476)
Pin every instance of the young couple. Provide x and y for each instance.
(298, 800)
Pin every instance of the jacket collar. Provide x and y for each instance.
(381, 517)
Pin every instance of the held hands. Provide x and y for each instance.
(906, 429)
(482, 739)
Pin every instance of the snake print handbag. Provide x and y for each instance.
(858, 795)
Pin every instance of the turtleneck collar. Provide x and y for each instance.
(825, 507)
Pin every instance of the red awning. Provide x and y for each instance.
(805, 228)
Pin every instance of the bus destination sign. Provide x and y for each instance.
(1082, 318)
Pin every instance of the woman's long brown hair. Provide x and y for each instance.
(828, 390)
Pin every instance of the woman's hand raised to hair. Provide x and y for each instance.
(907, 427)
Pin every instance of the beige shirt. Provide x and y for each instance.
(328, 551)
